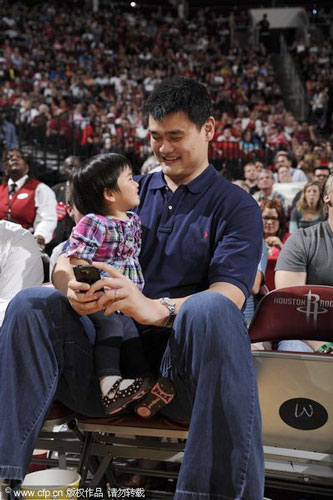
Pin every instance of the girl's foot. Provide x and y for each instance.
(118, 399)
(161, 394)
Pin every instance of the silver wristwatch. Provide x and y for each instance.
(171, 306)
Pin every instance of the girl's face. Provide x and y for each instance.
(271, 221)
(312, 195)
(128, 195)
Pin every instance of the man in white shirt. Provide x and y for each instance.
(20, 262)
(282, 159)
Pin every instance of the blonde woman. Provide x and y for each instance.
(309, 208)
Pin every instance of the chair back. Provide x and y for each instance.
(299, 312)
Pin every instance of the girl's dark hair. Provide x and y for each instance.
(91, 179)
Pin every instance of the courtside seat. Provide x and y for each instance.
(295, 389)
(62, 445)
(58, 415)
(132, 437)
(124, 424)
(300, 312)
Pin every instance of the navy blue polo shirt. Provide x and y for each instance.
(207, 231)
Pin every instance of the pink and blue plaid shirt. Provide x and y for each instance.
(114, 241)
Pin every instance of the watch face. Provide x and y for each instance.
(168, 301)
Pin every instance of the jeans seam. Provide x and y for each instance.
(249, 433)
(47, 402)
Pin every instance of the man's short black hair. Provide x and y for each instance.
(91, 179)
(321, 167)
(180, 94)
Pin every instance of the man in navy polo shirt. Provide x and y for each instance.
(200, 251)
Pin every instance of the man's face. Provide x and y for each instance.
(265, 181)
(16, 166)
(180, 148)
(306, 146)
(321, 175)
(250, 172)
(227, 133)
(282, 161)
(69, 164)
(284, 174)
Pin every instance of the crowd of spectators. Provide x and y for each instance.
(78, 84)
(315, 62)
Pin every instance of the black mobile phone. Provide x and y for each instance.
(86, 274)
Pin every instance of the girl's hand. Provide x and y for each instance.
(121, 294)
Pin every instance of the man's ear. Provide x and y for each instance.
(209, 128)
(109, 195)
(327, 200)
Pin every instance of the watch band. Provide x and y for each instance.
(171, 306)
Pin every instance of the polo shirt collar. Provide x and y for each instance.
(198, 184)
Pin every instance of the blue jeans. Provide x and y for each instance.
(293, 345)
(46, 351)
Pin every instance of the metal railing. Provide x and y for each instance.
(47, 148)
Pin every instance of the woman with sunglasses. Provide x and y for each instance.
(275, 235)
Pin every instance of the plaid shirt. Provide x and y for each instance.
(109, 240)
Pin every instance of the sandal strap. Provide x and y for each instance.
(325, 348)
(114, 388)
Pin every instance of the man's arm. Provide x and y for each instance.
(21, 265)
(230, 291)
(139, 307)
(62, 274)
(291, 266)
(46, 213)
(120, 294)
(289, 278)
(257, 283)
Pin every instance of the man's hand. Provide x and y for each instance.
(81, 302)
(121, 294)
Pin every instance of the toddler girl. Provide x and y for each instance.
(103, 192)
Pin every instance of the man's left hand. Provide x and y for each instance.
(121, 294)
